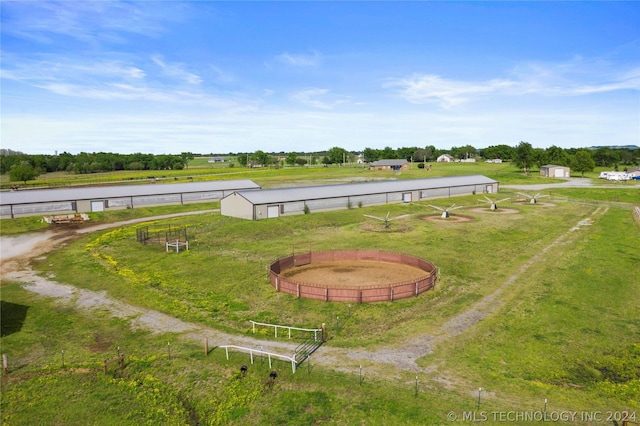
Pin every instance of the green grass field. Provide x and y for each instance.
(558, 317)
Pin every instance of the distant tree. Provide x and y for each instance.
(242, 159)
(23, 172)
(432, 152)
(186, 157)
(407, 153)
(301, 161)
(524, 156)
(540, 157)
(462, 152)
(388, 153)
(260, 157)
(583, 162)
(606, 157)
(370, 155)
(337, 155)
(558, 156)
(291, 158)
(503, 152)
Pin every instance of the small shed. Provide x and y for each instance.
(551, 170)
(271, 203)
(389, 165)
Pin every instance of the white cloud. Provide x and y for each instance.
(573, 78)
(177, 71)
(89, 21)
(419, 89)
(317, 98)
(300, 60)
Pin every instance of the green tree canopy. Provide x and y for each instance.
(524, 156)
(291, 159)
(503, 152)
(583, 162)
(337, 155)
(260, 157)
(23, 172)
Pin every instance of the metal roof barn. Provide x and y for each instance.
(268, 203)
(33, 202)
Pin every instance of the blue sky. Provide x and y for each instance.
(218, 77)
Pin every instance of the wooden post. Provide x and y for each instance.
(324, 332)
(5, 363)
(206, 346)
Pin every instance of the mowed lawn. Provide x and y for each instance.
(563, 323)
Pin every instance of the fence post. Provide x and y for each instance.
(324, 332)
(206, 346)
(5, 363)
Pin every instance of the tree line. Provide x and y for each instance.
(524, 155)
(23, 167)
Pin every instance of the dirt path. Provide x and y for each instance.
(17, 252)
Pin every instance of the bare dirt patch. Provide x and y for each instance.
(353, 274)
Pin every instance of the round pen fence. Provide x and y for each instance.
(363, 292)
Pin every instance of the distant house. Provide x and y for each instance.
(468, 160)
(494, 160)
(445, 158)
(217, 160)
(389, 165)
(551, 170)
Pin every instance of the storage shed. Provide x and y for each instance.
(551, 170)
(32, 202)
(268, 203)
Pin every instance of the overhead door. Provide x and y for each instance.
(559, 172)
(272, 211)
(406, 197)
(97, 206)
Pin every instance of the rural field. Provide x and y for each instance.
(535, 316)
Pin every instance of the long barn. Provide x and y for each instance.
(269, 203)
(34, 202)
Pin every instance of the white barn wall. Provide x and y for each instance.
(292, 201)
(237, 206)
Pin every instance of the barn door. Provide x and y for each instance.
(406, 197)
(97, 206)
(272, 211)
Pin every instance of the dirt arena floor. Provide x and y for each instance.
(353, 274)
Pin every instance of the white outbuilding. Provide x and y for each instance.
(551, 170)
(270, 203)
